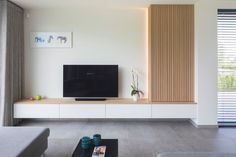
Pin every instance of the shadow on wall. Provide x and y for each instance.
(120, 81)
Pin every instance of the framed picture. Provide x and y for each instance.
(51, 39)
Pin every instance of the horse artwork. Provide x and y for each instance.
(62, 39)
(38, 39)
(51, 39)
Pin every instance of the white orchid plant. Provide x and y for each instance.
(135, 84)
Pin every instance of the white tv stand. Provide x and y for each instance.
(111, 108)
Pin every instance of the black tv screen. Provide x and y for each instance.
(90, 81)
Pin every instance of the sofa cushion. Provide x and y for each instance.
(197, 154)
(22, 141)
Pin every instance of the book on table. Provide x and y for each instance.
(99, 151)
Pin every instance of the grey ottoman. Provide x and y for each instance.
(23, 141)
(197, 154)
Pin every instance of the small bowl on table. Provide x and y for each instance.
(97, 139)
(85, 142)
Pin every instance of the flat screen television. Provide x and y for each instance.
(90, 82)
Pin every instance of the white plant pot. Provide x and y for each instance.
(135, 97)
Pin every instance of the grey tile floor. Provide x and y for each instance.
(137, 138)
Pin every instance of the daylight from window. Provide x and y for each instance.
(227, 66)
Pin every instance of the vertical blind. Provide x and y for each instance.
(226, 66)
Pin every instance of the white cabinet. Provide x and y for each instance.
(128, 111)
(173, 111)
(36, 111)
(82, 111)
(70, 109)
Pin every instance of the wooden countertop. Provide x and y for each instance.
(108, 101)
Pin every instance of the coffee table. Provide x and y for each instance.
(111, 149)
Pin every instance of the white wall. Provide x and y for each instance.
(100, 36)
(206, 58)
(226, 4)
(206, 61)
(119, 36)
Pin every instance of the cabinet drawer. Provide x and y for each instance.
(128, 111)
(36, 111)
(82, 111)
(173, 111)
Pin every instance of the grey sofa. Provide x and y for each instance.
(197, 154)
(23, 141)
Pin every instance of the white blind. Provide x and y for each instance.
(226, 66)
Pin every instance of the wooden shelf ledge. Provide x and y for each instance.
(108, 101)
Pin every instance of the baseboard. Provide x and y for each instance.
(105, 120)
(202, 126)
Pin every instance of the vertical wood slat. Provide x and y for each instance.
(171, 53)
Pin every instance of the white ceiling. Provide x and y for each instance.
(38, 4)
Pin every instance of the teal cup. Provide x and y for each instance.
(85, 142)
(97, 139)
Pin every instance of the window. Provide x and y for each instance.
(227, 67)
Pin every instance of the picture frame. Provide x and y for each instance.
(51, 39)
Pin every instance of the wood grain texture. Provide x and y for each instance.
(56, 101)
(171, 53)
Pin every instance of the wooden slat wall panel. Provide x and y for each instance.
(171, 53)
